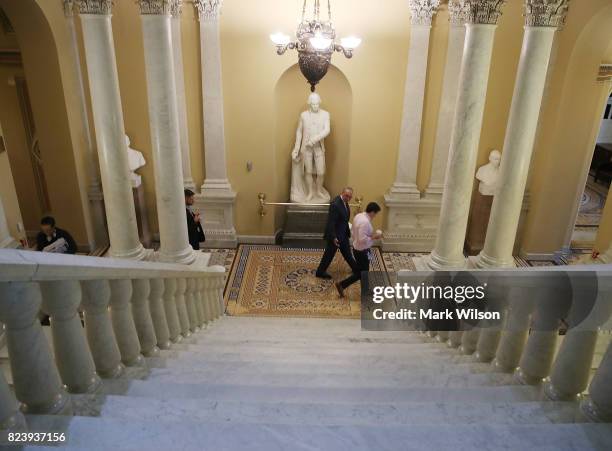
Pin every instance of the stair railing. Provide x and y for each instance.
(131, 309)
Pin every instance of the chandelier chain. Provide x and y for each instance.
(329, 10)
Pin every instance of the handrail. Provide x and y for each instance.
(263, 204)
(19, 266)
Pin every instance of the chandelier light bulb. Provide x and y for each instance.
(280, 39)
(319, 42)
(350, 42)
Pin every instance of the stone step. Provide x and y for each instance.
(280, 393)
(130, 408)
(273, 339)
(356, 380)
(106, 433)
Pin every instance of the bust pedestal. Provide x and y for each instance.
(144, 232)
(478, 223)
(305, 226)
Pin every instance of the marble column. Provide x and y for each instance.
(481, 22)
(97, 219)
(177, 49)
(541, 21)
(409, 226)
(165, 141)
(6, 240)
(454, 52)
(217, 198)
(110, 132)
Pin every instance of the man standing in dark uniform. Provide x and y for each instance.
(194, 226)
(337, 234)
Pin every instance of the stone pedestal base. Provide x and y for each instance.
(478, 223)
(144, 232)
(217, 209)
(412, 224)
(305, 226)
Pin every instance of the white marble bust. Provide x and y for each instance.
(135, 161)
(308, 155)
(488, 175)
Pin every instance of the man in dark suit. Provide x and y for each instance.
(337, 234)
(194, 226)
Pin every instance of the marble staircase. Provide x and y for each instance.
(279, 383)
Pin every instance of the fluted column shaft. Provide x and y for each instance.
(473, 80)
(518, 145)
(110, 131)
(164, 124)
(422, 12)
(456, 40)
(61, 300)
(36, 379)
(179, 71)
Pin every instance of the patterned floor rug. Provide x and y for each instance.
(276, 281)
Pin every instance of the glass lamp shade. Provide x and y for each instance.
(320, 42)
(280, 39)
(350, 42)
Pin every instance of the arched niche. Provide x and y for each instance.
(291, 94)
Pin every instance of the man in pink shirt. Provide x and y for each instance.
(363, 237)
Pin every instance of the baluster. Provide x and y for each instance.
(220, 286)
(210, 293)
(598, 406)
(61, 300)
(469, 341)
(192, 313)
(537, 358)
(141, 290)
(442, 336)
(174, 325)
(99, 330)
(486, 348)
(36, 379)
(202, 300)
(197, 302)
(181, 306)
(158, 313)
(123, 322)
(513, 337)
(208, 307)
(454, 338)
(11, 419)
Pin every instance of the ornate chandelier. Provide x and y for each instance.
(315, 43)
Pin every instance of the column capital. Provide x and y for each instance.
(458, 12)
(546, 13)
(68, 8)
(155, 7)
(422, 11)
(103, 7)
(176, 8)
(483, 12)
(208, 10)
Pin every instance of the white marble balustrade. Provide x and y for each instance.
(131, 309)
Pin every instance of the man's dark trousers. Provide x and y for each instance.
(362, 259)
(330, 252)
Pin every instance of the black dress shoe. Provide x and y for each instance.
(340, 289)
(324, 276)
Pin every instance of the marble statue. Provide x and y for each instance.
(135, 161)
(489, 175)
(308, 156)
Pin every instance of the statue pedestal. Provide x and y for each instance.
(305, 226)
(144, 232)
(478, 223)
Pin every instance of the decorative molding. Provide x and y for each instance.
(68, 8)
(176, 8)
(94, 6)
(208, 10)
(458, 13)
(155, 7)
(483, 12)
(605, 72)
(422, 11)
(546, 13)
